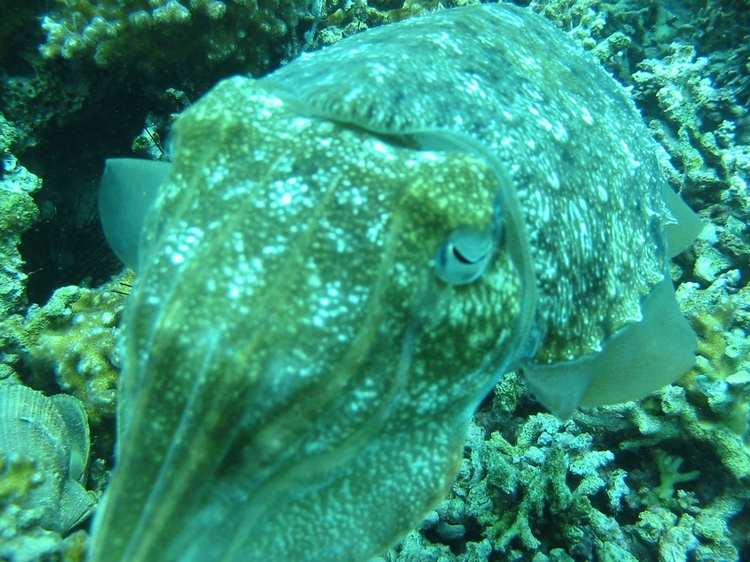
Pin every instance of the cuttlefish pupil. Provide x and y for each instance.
(464, 256)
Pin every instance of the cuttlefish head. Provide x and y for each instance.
(317, 312)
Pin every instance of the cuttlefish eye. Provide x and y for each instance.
(465, 255)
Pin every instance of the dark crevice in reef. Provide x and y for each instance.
(67, 245)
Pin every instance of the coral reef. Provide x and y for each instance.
(641, 481)
(337, 19)
(44, 442)
(70, 342)
(18, 212)
(666, 478)
(143, 34)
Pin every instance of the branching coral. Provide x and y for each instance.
(590, 488)
(669, 471)
(550, 469)
(165, 35)
(541, 486)
(720, 384)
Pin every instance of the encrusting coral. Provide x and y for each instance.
(72, 341)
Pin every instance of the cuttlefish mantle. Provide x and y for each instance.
(346, 255)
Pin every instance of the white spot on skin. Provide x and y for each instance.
(472, 87)
(629, 153)
(560, 132)
(183, 244)
(352, 196)
(219, 174)
(374, 230)
(301, 122)
(546, 124)
(378, 71)
(587, 117)
(353, 94)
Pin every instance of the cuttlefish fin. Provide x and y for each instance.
(127, 191)
(639, 359)
(682, 233)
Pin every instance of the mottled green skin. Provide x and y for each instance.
(298, 374)
(575, 149)
(297, 380)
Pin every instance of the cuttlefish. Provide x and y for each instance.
(343, 258)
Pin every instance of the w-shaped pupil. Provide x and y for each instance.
(460, 257)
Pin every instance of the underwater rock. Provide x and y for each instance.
(345, 257)
(50, 436)
(18, 213)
